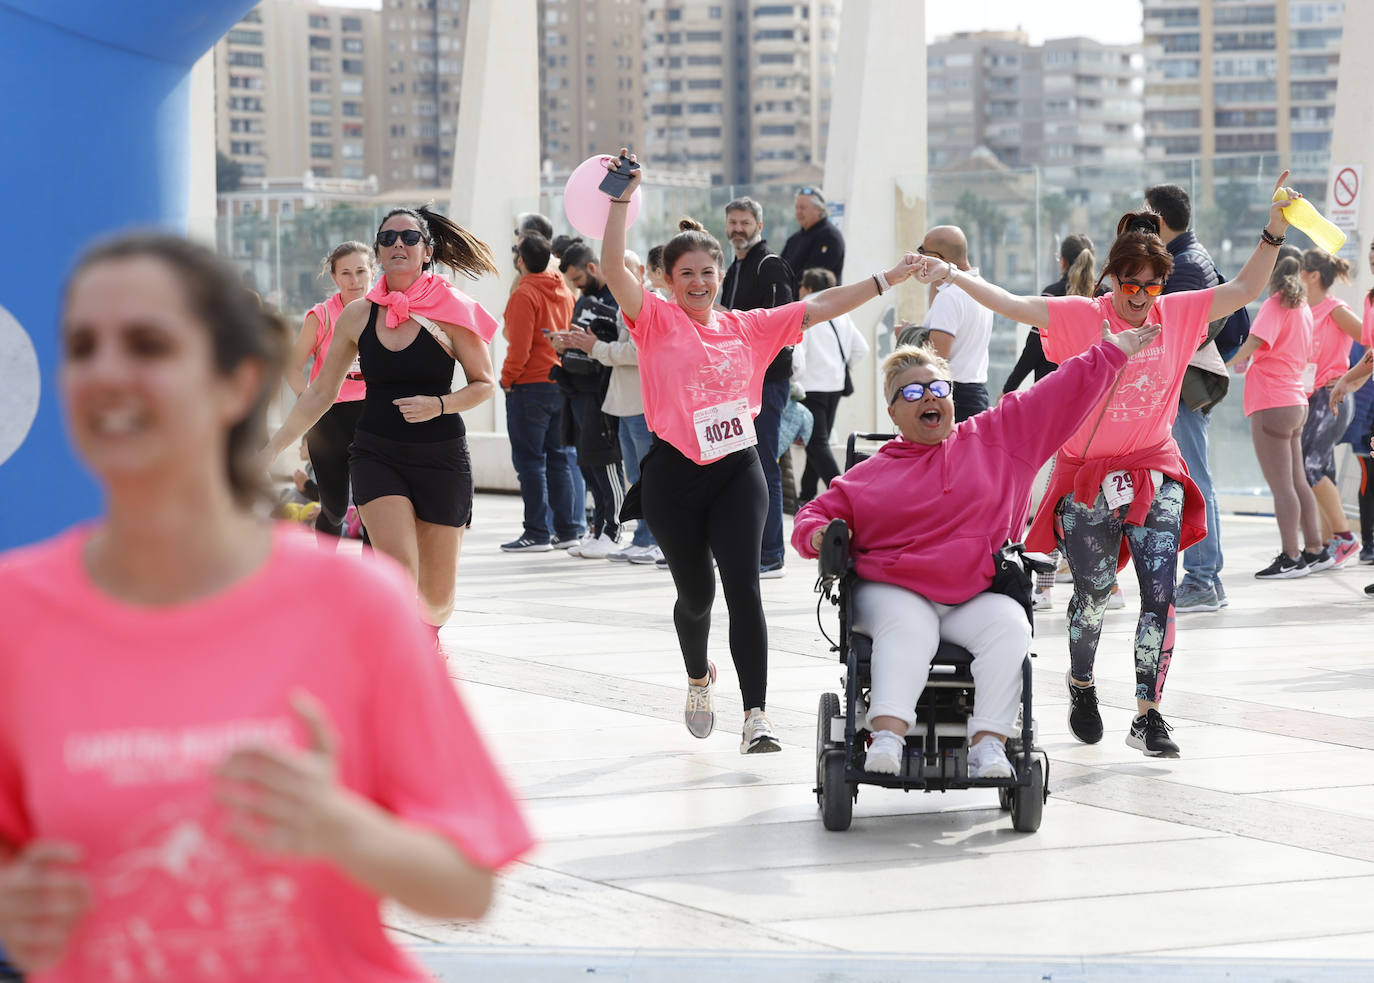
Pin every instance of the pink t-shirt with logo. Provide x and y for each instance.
(1139, 412)
(692, 373)
(1330, 345)
(1274, 378)
(113, 717)
(326, 316)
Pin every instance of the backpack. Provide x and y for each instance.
(1234, 332)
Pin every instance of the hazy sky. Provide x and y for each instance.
(1109, 21)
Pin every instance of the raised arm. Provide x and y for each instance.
(300, 352)
(1251, 280)
(831, 303)
(625, 287)
(1028, 310)
(320, 394)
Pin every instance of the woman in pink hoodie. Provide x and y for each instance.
(926, 513)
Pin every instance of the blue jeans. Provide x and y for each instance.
(767, 425)
(635, 441)
(1202, 561)
(545, 469)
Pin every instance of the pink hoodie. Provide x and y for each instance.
(927, 517)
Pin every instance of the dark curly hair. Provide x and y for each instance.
(1137, 245)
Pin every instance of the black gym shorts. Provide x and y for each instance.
(436, 476)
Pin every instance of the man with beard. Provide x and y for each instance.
(759, 278)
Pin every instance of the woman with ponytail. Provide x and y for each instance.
(350, 266)
(412, 480)
(701, 484)
(1279, 350)
(1077, 269)
(1120, 491)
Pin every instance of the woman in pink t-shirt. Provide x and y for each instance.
(702, 490)
(1120, 489)
(201, 777)
(1335, 327)
(350, 266)
(1279, 349)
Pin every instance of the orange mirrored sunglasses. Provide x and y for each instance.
(1130, 288)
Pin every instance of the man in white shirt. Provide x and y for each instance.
(960, 328)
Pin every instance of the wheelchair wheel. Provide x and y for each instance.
(1028, 801)
(837, 795)
(1004, 798)
(828, 710)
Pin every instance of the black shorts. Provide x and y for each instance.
(436, 477)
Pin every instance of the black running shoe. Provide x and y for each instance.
(1284, 567)
(1150, 734)
(1084, 719)
(1317, 562)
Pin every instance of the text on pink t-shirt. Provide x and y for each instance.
(326, 316)
(113, 718)
(1139, 412)
(1274, 378)
(686, 368)
(1330, 345)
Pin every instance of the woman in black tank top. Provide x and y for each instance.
(409, 462)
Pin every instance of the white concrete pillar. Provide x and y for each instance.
(201, 208)
(876, 165)
(1352, 141)
(496, 167)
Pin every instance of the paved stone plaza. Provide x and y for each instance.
(658, 851)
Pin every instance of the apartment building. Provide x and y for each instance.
(1230, 77)
(421, 79)
(293, 93)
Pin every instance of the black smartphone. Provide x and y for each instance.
(615, 182)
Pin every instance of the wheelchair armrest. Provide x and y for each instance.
(834, 552)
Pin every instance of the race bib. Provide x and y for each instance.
(1309, 377)
(1118, 488)
(724, 428)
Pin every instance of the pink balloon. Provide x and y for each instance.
(586, 205)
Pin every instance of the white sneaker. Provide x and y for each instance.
(1043, 599)
(988, 759)
(1061, 573)
(1116, 601)
(884, 755)
(758, 736)
(699, 714)
(598, 549)
(649, 556)
(625, 555)
(576, 548)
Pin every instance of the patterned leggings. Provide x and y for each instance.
(1090, 537)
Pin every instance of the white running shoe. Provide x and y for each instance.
(576, 548)
(699, 714)
(758, 736)
(598, 549)
(988, 759)
(650, 556)
(624, 555)
(1061, 572)
(884, 755)
(1116, 601)
(1043, 599)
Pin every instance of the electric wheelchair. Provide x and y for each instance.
(936, 754)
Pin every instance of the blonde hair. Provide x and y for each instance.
(906, 357)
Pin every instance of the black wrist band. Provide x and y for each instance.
(878, 283)
(441, 404)
(1270, 238)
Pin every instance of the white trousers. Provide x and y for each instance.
(906, 629)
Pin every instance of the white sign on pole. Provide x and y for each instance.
(1343, 204)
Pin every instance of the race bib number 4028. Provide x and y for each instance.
(724, 428)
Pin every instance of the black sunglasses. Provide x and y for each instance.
(929, 252)
(912, 391)
(813, 193)
(411, 237)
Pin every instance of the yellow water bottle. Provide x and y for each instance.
(1301, 215)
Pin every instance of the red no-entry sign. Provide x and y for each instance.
(1346, 187)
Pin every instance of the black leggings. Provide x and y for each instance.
(1366, 499)
(328, 442)
(820, 462)
(696, 511)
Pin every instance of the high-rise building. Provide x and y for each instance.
(293, 92)
(590, 74)
(423, 43)
(738, 89)
(1230, 77)
(1069, 101)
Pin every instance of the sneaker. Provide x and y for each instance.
(1116, 601)
(1343, 548)
(1191, 597)
(885, 753)
(1369, 589)
(624, 555)
(1061, 573)
(1221, 594)
(988, 759)
(527, 544)
(1367, 554)
(648, 555)
(1317, 562)
(1284, 567)
(661, 563)
(568, 543)
(758, 736)
(576, 548)
(699, 715)
(1043, 599)
(598, 549)
(771, 571)
(1150, 733)
(1084, 719)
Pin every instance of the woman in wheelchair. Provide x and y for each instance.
(926, 513)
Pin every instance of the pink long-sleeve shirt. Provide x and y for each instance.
(928, 517)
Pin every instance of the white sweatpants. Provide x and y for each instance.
(906, 628)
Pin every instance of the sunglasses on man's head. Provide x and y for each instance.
(1130, 288)
(929, 252)
(411, 237)
(912, 391)
(812, 192)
